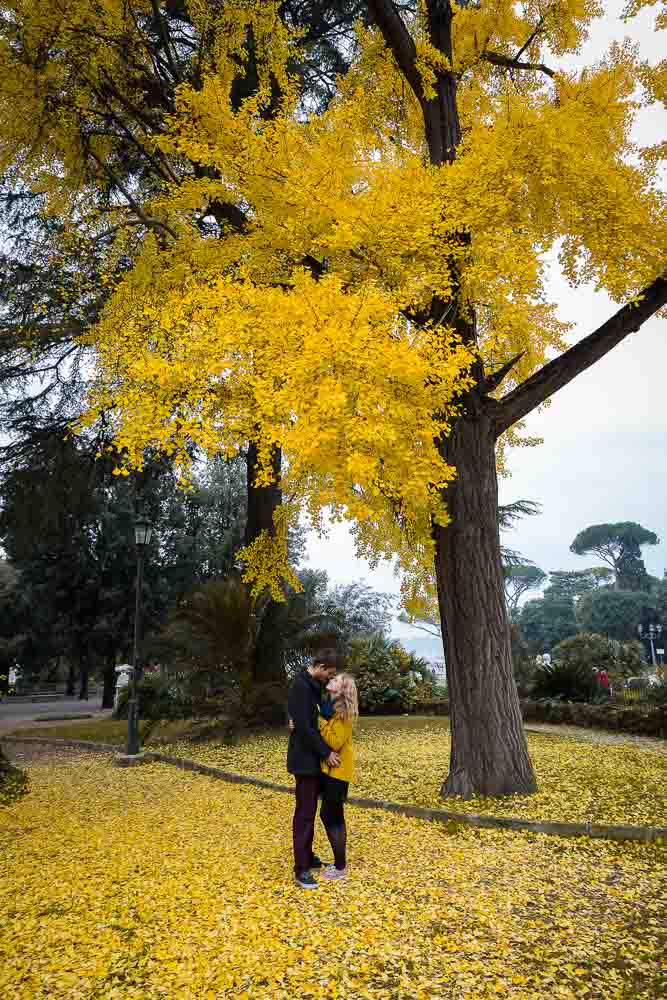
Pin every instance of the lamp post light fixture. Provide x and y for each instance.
(142, 536)
(652, 632)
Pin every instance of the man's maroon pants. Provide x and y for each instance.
(303, 824)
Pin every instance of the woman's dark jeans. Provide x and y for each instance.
(332, 814)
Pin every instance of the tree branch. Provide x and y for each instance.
(553, 376)
(399, 40)
(166, 41)
(495, 379)
(498, 59)
(132, 203)
(531, 38)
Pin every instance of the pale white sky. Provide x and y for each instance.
(604, 456)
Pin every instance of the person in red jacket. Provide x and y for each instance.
(602, 681)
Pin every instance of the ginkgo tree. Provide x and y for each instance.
(368, 297)
(89, 88)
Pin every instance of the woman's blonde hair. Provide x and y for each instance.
(346, 701)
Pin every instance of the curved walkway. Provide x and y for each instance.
(653, 744)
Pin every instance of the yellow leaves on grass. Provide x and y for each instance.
(151, 883)
(406, 760)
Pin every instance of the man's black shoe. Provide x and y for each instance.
(316, 862)
(305, 880)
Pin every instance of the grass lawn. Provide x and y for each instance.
(405, 759)
(154, 884)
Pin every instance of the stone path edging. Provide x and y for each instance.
(554, 829)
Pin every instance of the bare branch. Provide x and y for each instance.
(166, 41)
(531, 38)
(498, 59)
(134, 205)
(492, 381)
(161, 167)
(399, 40)
(553, 376)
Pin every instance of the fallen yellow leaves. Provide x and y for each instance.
(152, 883)
(406, 760)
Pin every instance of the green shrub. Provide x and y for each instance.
(644, 720)
(571, 675)
(389, 679)
(629, 659)
(563, 680)
(264, 704)
(657, 694)
(13, 781)
(589, 650)
(157, 698)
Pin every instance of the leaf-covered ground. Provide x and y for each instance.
(405, 760)
(152, 883)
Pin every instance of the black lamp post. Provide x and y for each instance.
(142, 536)
(651, 633)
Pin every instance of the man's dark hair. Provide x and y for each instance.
(326, 658)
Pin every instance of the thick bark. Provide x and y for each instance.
(489, 755)
(84, 672)
(263, 501)
(109, 680)
(70, 683)
(441, 114)
(269, 661)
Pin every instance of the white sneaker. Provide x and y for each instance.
(332, 874)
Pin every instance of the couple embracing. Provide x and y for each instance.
(323, 707)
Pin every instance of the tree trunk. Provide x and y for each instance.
(269, 662)
(109, 678)
(84, 671)
(489, 755)
(262, 502)
(70, 684)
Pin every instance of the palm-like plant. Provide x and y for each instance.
(214, 633)
(566, 680)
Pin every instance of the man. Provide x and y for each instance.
(305, 751)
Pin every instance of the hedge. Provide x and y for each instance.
(643, 720)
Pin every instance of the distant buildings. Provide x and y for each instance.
(437, 665)
(429, 648)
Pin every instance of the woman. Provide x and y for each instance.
(337, 733)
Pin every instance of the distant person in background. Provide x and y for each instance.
(602, 683)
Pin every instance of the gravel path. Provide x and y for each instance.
(28, 754)
(652, 744)
(26, 718)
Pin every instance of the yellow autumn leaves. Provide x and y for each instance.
(279, 271)
(150, 883)
(401, 760)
